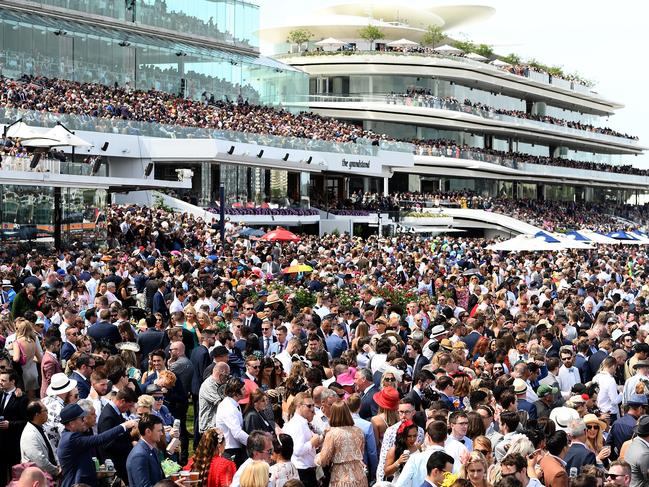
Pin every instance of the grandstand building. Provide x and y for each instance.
(499, 123)
(432, 120)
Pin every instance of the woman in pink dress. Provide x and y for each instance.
(343, 448)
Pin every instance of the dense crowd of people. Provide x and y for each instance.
(451, 148)
(401, 361)
(425, 97)
(123, 104)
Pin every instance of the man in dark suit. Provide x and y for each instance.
(446, 389)
(76, 446)
(250, 318)
(596, 359)
(70, 345)
(14, 411)
(474, 335)
(421, 382)
(118, 448)
(150, 340)
(418, 360)
(200, 359)
(366, 388)
(235, 357)
(438, 465)
(578, 455)
(85, 367)
(143, 465)
(158, 303)
(105, 332)
(336, 344)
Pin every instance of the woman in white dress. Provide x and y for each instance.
(283, 470)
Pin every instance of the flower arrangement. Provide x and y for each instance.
(449, 479)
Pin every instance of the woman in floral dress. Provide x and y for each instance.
(343, 448)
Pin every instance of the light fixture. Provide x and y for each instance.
(105, 146)
(285, 158)
(96, 165)
(260, 153)
(231, 151)
(149, 168)
(35, 159)
(308, 161)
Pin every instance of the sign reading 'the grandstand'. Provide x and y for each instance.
(352, 164)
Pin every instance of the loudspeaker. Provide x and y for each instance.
(149, 168)
(96, 165)
(285, 158)
(260, 154)
(231, 151)
(105, 146)
(35, 159)
(308, 161)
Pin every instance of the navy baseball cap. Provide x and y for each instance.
(71, 412)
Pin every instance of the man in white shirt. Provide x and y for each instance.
(177, 303)
(230, 420)
(414, 471)
(260, 448)
(293, 346)
(305, 441)
(568, 373)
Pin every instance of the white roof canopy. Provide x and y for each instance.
(330, 41)
(475, 56)
(402, 43)
(68, 138)
(499, 63)
(526, 243)
(448, 49)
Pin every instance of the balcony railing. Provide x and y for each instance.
(45, 164)
(364, 147)
(545, 78)
(439, 104)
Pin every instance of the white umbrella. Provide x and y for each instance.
(66, 137)
(43, 142)
(21, 130)
(526, 243)
(448, 49)
(475, 56)
(330, 41)
(500, 64)
(402, 43)
(597, 237)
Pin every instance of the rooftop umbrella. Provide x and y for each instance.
(294, 269)
(402, 43)
(526, 243)
(500, 64)
(597, 237)
(330, 41)
(546, 237)
(251, 232)
(448, 49)
(280, 235)
(575, 235)
(66, 137)
(475, 56)
(20, 130)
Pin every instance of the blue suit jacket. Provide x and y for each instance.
(143, 466)
(578, 456)
(66, 351)
(200, 360)
(369, 408)
(105, 332)
(370, 456)
(524, 405)
(336, 345)
(584, 370)
(158, 305)
(82, 385)
(75, 455)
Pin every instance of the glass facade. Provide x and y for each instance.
(229, 21)
(42, 46)
(254, 186)
(28, 214)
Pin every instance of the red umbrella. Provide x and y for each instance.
(280, 235)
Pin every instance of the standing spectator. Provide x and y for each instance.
(578, 454)
(259, 449)
(210, 396)
(253, 415)
(366, 388)
(34, 444)
(70, 343)
(282, 469)
(370, 456)
(143, 462)
(515, 464)
(608, 397)
(214, 469)
(552, 464)
(85, 364)
(305, 441)
(200, 360)
(256, 475)
(619, 473)
(24, 301)
(75, 449)
(159, 304)
(230, 420)
(26, 353)
(13, 412)
(343, 448)
(637, 455)
(150, 340)
(105, 332)
(50, 364)
(61, 392)
(117, 448)
(439, 463)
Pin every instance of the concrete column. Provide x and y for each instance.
(386, 190)
(206, 184)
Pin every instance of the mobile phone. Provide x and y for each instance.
(533, 454)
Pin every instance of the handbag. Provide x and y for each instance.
(22, 360)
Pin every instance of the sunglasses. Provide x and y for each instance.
(158, 398)
(310, 405)
(613, 475)
(484, 452)
(389, 379)
(592, 427)
(253, 366)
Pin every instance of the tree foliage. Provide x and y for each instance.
(299, 37)
(484, 50)
(433, 36)
(370, 34)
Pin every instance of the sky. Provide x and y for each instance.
(606, 42)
